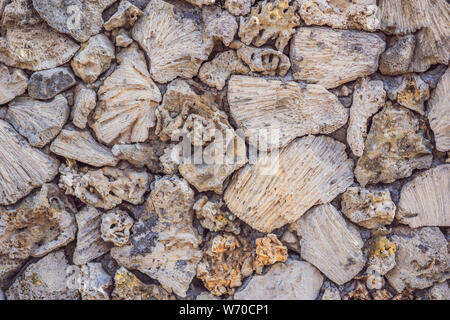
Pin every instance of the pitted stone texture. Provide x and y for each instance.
(85, 101)
(115, 227)
(13, 83)
(142, 154)
(219, 24)
(46, 84)
(239, 7)
(397, 57)
(126, 16)
(94, 282)
(265, 60)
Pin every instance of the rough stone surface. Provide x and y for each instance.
(13, 83)
(315, 170)
(141, 154)
(425, 201)
(93, 59)
(294, 280)
(395, 146)
(213, 216)
(380, 260)
(289, 109)
(175, 46)
(90, 244)
(239, 7)
(331, 244)
(422, 258)
(439, 113)
(265, 60)
(219, 24)
(47, 279)
(397, 57)
(38, 121)
(368, 98)
(115, 227)
(440, 291)
(410, 91)
(126, 16)
(79, 145)
(94, 282)
(19, 174)
(332, 57)
(85, 100)
(46, 84)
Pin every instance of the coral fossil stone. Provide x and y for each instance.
(173, 39)
(279, 189)
(331, 244)
(13, 82)
(127, 101)
(439, 112)
(22, 167)
(293, 109)
(425, 200)
(332, 57)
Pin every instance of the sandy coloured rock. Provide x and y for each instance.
(285, 109)
(126, 16)
(94, 282)
(331, 244)
(123, 39)
(216, 72)
(359, 14)
(125, 113)
(380, 260)
(142, 154)
(265, 60)
(47, 279)
(368, 98)
(425, 201)
(79, 145)
(439, 112)
(94, 58)
(270, 19)
(20, 174)
(128, 287)
(422, 258)
(85, 100)
(293, 280)
(175, 45)
(315, 170)
(80, 19)
(38, 121)
(397, 57)
(219, 24)
(395, 146)
(90, 244)
(13, 83)
(369, 209)
(333, 57)
(270, 250)
(115, 227)
(239, 7)
(38, 224)
(46, 84)
(9, 267)
(168, 220)
(106, 187)
(213, 216)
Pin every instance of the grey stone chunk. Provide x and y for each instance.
(94, 282)
(13, 83)
(397, 58)
(48, 83)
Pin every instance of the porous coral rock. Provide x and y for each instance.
(8, 267)
(333, 57)
(219, 24)
(397, 57)
(359, 292)
(279, 188)
(422, 258)
(13, 83)
(20, 173)
(368, 97)
(174, 40)
(440, 291)
(164, 244)
(38, 224)
(79, 145)
(239, 7)
(370, 209)
(331, 244)
(115, 227)
(293, 280)
(127, 101)
(213, 217)
(94, 282)
(85, 100)
(425, 201)
(123, 39)
(94, 58)
(270, 250)
(89, 238)
(270, 19)
(227, 260)
(330, 292)
(126, 16)
(38, 121)
(80, 19)
(395, 146)
(106, 187)
(142, 154)
(128, 287)
(265, 60)
(380, 260)
(47, 279)
(48, 83)
(284, 110)
(359, 14)
(410, 91)
(439, 112)
(216, 72)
